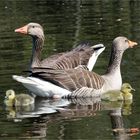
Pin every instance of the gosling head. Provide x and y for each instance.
(32, 29)
(10, 94)
(126, 87)
(123, 43)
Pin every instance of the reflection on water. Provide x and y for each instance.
(66, 23)
(41, 106)
(67, 111)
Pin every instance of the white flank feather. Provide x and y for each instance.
(40, 87)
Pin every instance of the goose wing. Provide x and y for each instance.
(51, 59)
(78, 56)
(70, 79)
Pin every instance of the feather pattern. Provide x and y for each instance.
(71, 59)
(71, 79)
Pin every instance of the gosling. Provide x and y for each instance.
(17, 100)
(123, 94)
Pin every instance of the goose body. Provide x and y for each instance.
(83, 54)
(80, 80)
(119, 95)
(17, 100)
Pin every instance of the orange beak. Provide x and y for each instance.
(22, 30)
(132, 44)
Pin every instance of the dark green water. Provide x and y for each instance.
(67, 22)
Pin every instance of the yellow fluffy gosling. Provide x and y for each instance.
(123, 94)
(17, 100)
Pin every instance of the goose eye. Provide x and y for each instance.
(33, 26)
(126, 40)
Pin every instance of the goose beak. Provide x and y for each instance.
(22, 30)
(132, 44)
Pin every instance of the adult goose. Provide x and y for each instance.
(76, 82)
(83, 54)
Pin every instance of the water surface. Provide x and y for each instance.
(66, 23)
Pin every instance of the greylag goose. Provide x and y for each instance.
(83, 54)
(76, 82)
(123, 94)
(11, 99)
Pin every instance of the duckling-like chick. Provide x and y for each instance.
(17, 100)
(126, 91)
(123, 94)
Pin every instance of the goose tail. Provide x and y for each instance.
(40, 87)
(22, 79)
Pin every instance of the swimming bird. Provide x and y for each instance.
(11, 99)
(50, 83)
(119, 95)
(83, 54)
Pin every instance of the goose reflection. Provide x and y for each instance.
(68, 107)
(40, 107)
(120, 130)
(48, 112)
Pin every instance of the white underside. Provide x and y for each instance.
(40, 87)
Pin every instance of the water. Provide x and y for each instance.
(65, 24)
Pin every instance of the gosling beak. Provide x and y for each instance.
(133, 89)
(132, 44)
(6, 97)
(22, 30)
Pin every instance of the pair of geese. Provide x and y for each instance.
(64, 74)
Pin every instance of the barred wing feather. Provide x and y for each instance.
(71, 79)
(51, 59)
(70, 59)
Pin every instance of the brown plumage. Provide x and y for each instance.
(70, 79)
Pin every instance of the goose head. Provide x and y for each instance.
(10, 95)
(127, 88)
(122, 43)
(32, 29)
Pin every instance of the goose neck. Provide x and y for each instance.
(113, 74)
(115, 61)
(36, 51)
